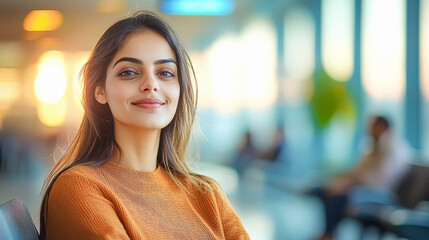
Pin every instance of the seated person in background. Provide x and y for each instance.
(245, 154)
(383, 165)
(248, 152)
(275, 148)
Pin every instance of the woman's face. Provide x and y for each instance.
(142, 86)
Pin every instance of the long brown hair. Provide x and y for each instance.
(95, 141)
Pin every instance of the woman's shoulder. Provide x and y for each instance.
(84, 172)
(76, 179)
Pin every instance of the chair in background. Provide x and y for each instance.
(16, 222)
(404, 212)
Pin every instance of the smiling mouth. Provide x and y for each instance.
(149, 103)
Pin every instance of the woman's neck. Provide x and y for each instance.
(139, 147)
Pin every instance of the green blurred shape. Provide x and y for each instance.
(330, 97)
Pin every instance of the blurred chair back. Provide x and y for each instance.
(414, 187)
(16, 222)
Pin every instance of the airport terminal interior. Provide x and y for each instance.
(290, 97)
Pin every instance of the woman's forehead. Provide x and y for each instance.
(146, 45)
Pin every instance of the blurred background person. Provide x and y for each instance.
(245, 153)
(383, 165)
(248, 153)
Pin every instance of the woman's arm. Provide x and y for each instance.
(77, 209)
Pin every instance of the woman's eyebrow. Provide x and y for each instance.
(138, 61)
(128, 59)
(167, 60)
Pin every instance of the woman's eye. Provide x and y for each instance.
(127, 74)
(166, 74)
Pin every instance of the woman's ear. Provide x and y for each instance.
(100, 95)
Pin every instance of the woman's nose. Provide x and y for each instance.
(149, 84)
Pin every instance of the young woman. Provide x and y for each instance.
(125, 175)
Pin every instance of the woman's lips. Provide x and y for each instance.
(148, 103)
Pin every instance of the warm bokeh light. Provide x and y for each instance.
(299, 58)
(10, 87)
(383, 48)
(337, 38)
(51, 81)
(52, 114)
(424, 47)
(111, 6)
(225, 77)
(8, 75)
(258, 58)
(81, 59)
(43, 20)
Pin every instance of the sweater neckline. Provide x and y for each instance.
(136, 180)
(119, 167)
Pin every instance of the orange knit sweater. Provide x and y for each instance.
(115, 202)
